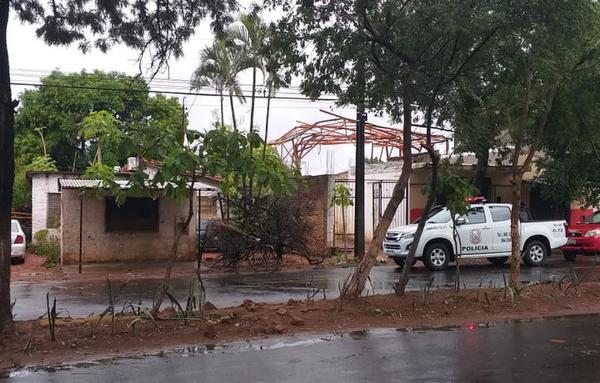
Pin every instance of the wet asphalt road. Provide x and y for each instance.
(84, 299)
(558, 350)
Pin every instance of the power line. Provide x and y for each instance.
(43, 73)
(171, 92)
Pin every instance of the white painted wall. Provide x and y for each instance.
(41, 185)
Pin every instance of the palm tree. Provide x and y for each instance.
(250, 34)
(220, 66)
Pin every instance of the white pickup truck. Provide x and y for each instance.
(483, 233)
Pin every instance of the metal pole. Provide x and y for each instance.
(359, 187)
(200, 244)
(80, 230)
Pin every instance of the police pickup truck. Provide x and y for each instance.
(483, 233)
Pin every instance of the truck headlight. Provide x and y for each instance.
(593, 233)
(411, 236)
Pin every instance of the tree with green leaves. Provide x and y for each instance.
(251, 33)
(544, 45)
(220, 65)
(156, 29)
(70, 114)
(570, 168)
(102, 128)
(456, 190)
(341, 197)
(413, 53)
(176, 178)
(266, 220)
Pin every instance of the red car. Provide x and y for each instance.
(583, 238)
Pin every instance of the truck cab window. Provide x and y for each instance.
(476, 215)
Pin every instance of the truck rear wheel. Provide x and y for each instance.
(569, 256)
(437, 256)
(535, 253)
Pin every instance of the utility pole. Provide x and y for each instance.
(359, 170)
(359, 187)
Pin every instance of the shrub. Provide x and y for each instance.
(47, 247)
(41, 236)
(263, 231)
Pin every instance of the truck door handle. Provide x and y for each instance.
(485, 228)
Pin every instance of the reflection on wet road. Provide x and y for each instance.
(83, 299)
(556, 350)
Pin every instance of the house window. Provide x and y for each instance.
(134, 215)
(53, 211)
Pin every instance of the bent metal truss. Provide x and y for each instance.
(295, 144)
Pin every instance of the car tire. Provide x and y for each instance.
(535, 253)
(17, 260)
(436, 256)
(569, 256)
(498, 261)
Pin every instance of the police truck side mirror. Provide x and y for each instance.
(460, 221)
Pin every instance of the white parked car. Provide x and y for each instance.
(483, 233)
(18, 241)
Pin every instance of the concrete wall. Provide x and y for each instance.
(314, 201)
(102, 246)
(500, 188)
(41, 185)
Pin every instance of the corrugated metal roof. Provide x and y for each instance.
(78, 183)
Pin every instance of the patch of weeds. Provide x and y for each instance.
(48, 247)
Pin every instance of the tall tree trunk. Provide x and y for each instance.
(359, 203)
(252, 100)
(519, 170)
(43, 143)
(515, 234)
(7, 170)
(435, 159)
(403, 280)
(267, 123)
(174, 247)
(357, 281)
(344, 228)
(483, 157)
(222, 108)
(232, 111)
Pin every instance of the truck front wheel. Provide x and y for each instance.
(437, 256)
(535, 253)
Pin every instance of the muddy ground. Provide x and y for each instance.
(29, 342)
(33, 270)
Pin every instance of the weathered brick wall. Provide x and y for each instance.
(314, 199)
(102, 246)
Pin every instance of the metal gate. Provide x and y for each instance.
(377, 196)
(382, 194)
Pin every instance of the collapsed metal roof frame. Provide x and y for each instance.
(295, 144)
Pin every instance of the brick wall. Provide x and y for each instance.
(102, 246)
(314, 200)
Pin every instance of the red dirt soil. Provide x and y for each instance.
(28, 343)
(32, 270)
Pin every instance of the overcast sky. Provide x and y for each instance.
(30, 58)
